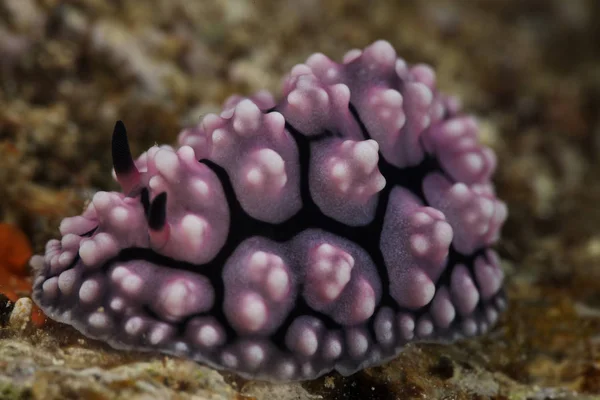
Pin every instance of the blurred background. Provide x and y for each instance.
(528, 69)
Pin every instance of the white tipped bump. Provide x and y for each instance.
(329, 271)
(463, 290)
(351, 56)
(424, 73)
(308, 342)
(305, 341)
(167, 164)
(66, 281)
(117, 304)
(303, 336)
(296, 99)
(258, 260)
(66, 258)
(357, 341)
(270, 272)
(157, 184)
(53, 244)
(278, 284)
(87, 252)
(351, 171)
(460, 192)
(365, 153)
(221, 138)
(422, 95)
(501, 303)
(39, 280)
(173, 297)
(134, 326)
(384, 326)
(119, 273)
(182, 296)
(210, 122)
(317, 59)
(227, 113)
(129, 282)
(454, 128)
(381, 54)
(473, 162)
(200, 188)
(265, 170)
(424, 327)
(229, 360)
(132, 284)
(364, 302)
(332, 348)
(208, 336)
(70, 241)
(401, 68)
(469, 327)
(392, 98)
(253, 312)
(489, 277)
(443, 233)
(406, 326)
(491, 314)
(246, 119)
(254, 355)
(196, 229)
(340, 172)
(442, 310)
(90, 290)
(419, 244)
(341, 93)
(387, 105)
(421, 218)
(187, 155)
(99, 320)
(181, 347)
(483, 327)
(159, 333)
(276, 121)
(286, 370)
(307, 369)
(76, 225)
(119, 216)
(322, 98)
(67, 315)
(101, 201)
(97, 249)
(36, 263)
(50, 287)
(415, 290)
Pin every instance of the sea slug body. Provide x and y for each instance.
(283, 240)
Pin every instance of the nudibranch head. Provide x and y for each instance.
(283, 240)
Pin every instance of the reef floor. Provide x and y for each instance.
(530, 71)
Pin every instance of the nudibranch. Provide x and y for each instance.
(283, 240)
